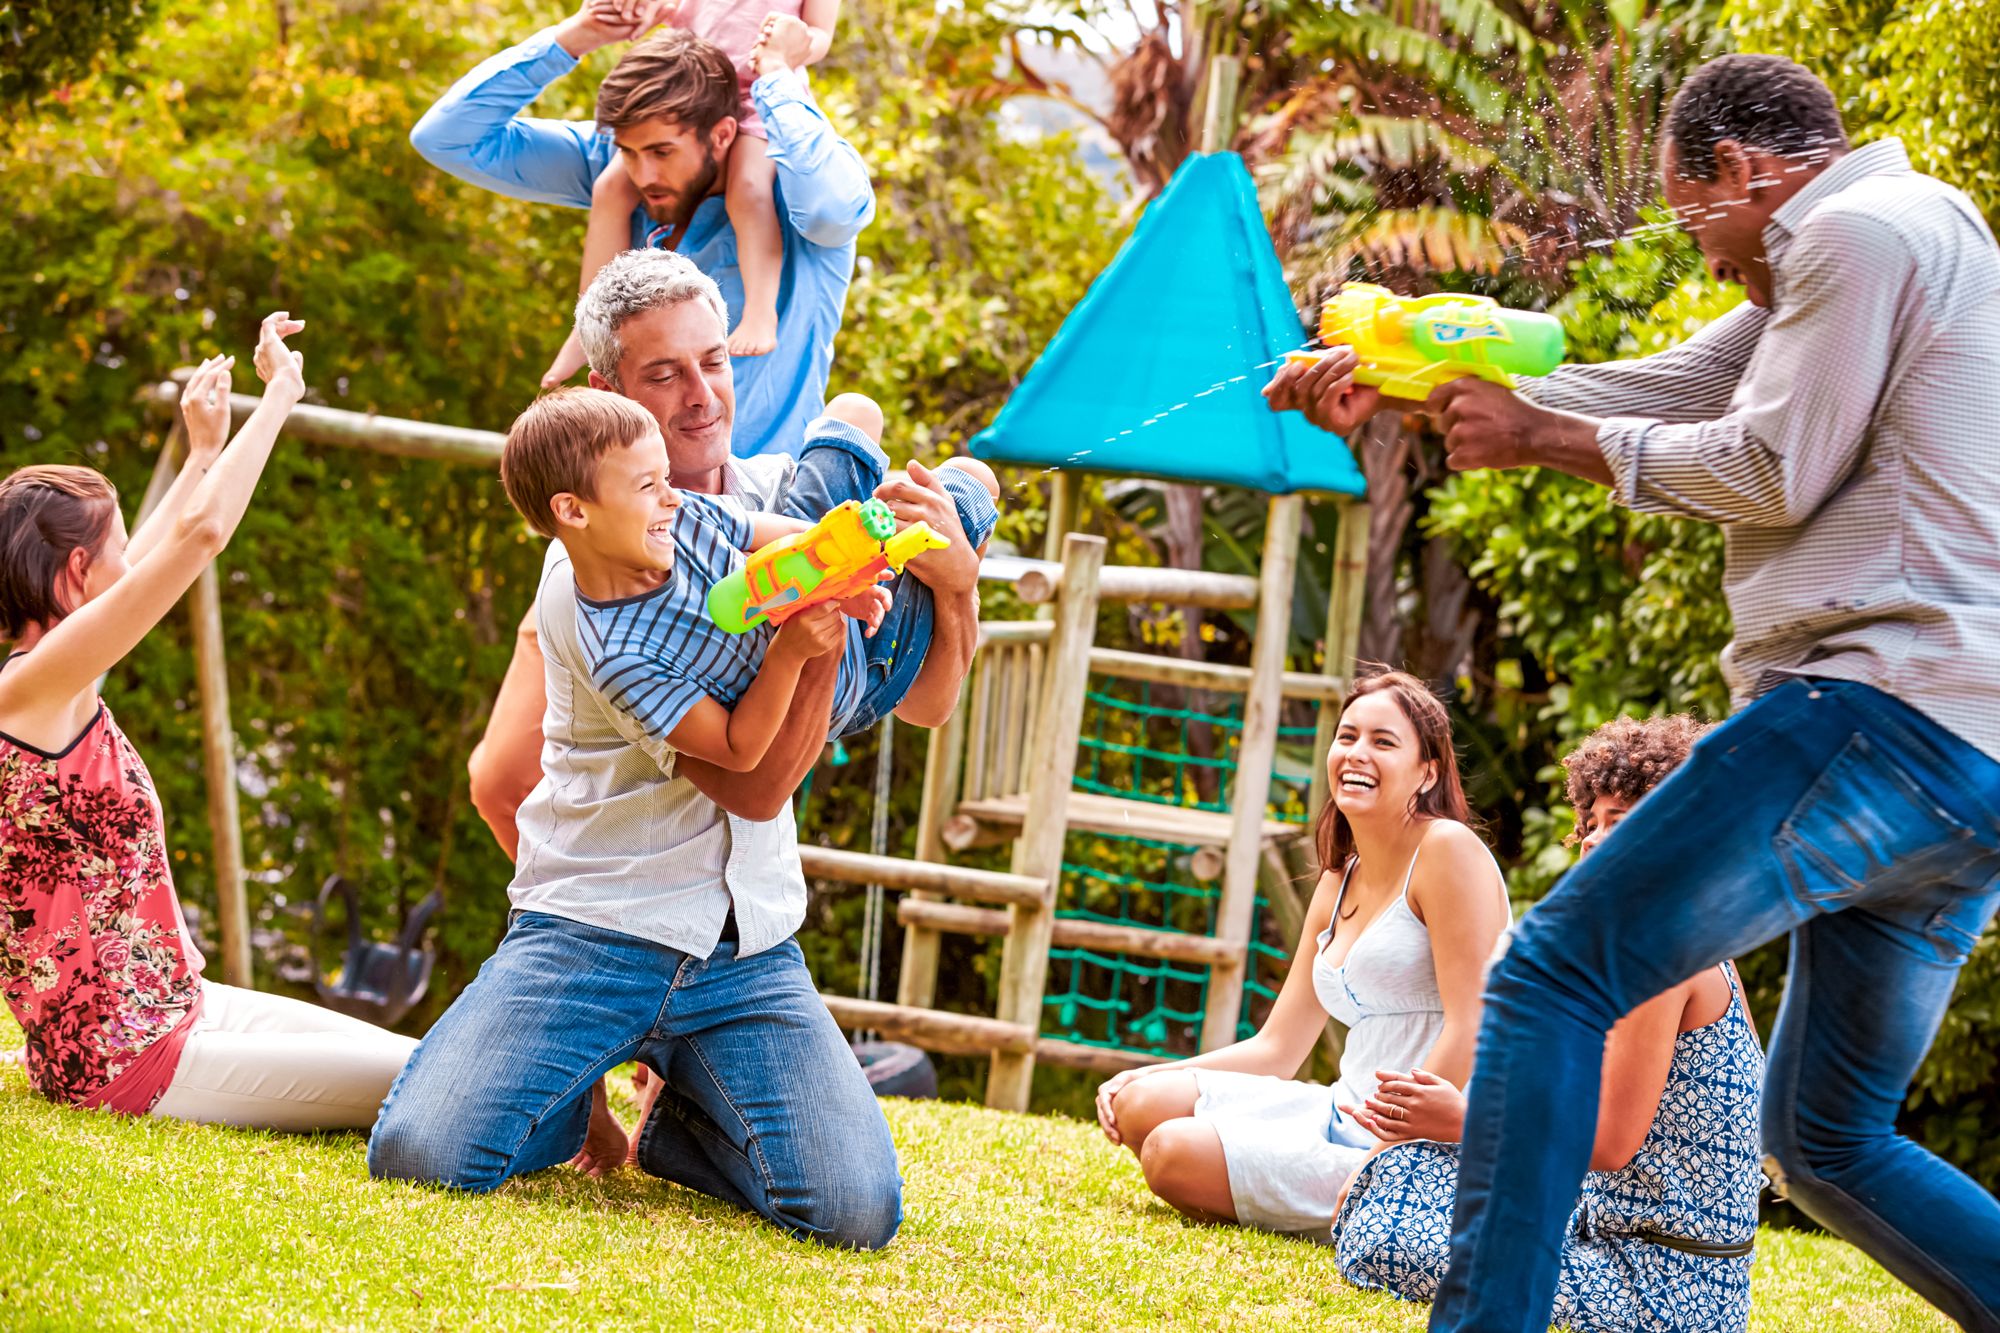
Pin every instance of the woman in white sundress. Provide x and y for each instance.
(1408, 909)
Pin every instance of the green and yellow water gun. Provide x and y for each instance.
(1409, 345)
(834, 559)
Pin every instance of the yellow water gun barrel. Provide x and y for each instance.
(1408, 345)
(839, 556)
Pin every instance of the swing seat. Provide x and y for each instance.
(379, 981)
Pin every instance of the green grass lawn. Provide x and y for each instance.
(1011, 1222)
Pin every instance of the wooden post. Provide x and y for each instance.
(1024, 964)
(1218, 107)
(916, 982)
(1062, 512)
(1255, 751)
(1348, 583)
(218, 744)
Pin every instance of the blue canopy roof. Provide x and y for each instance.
(1156, 372)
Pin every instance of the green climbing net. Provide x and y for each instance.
(1170, 747)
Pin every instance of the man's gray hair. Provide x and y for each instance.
(630, 285)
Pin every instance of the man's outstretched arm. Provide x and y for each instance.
(476, 133)
(766, 790)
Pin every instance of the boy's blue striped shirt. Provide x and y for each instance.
(656, 655)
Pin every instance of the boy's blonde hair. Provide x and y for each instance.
(555, 445)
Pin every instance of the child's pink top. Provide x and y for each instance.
(95, 957)
(733, 25)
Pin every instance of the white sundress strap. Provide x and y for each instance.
(1411, 870)
(1499, 875)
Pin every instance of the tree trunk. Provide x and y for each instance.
(1384, 453)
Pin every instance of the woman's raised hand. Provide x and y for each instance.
(205, 409)
(282, 369)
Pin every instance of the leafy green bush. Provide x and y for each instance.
(370, 602)
(46, 45)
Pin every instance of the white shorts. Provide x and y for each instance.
(1287, 1158)
(261, 1061)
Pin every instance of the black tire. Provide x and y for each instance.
(896, 1070)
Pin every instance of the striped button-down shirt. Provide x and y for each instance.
(1847, 439)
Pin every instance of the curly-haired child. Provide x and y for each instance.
(1661, 1236)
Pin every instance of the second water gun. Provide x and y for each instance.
(834, 559)
(1409, 345)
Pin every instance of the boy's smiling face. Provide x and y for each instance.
(630, 521)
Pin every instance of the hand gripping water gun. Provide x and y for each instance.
(834, 559)
(1409, 345)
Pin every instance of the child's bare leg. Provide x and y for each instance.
(646, 1085)
(750, 195)
(612, 200)
(604, 1142)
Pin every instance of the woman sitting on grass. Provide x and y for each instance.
(1661, 1238)
(95, 957)
(1406, 913)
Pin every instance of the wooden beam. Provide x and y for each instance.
(218, 748)
(1132, 941)
(932, 1029)
(1036, 581)
(338, 428)
(1024, 964)
(1121, 664)
(1097, 1059)
(1257, 747)
(993, 633)
(893, 872)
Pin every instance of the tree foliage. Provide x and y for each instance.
(47, 45)
(1928, 72)
(1599, 611)
(370, 602)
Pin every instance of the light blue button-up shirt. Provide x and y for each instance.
(824, 200)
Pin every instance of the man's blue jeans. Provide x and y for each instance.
(763, 1104)
(1828, 810)
(834, 471)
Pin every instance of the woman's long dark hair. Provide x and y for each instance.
(46, 512)
(1333, 840)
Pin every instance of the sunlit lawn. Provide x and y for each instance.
(1012, 1222)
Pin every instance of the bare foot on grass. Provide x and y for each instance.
(604, 1143)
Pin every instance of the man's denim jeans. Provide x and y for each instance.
(1828, 810)
(835, 471)
(764, 1105)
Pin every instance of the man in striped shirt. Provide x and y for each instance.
(1841, 428)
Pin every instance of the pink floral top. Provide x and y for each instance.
(95, 957)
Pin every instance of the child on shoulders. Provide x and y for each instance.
(742, 29)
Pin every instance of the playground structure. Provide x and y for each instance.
(1004, 769)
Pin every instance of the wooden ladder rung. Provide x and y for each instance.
(932, 1029)
(1136, 941)
(986, 886)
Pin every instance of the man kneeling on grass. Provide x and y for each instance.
(649, 923)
